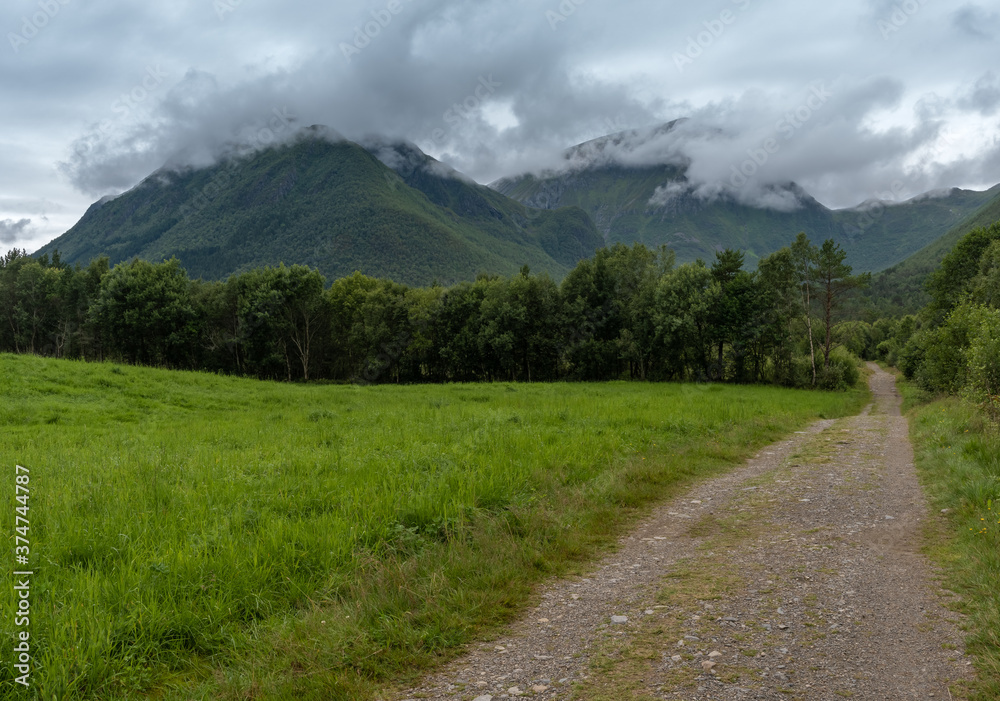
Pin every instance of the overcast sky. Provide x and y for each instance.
(853, 100)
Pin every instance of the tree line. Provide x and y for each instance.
(627, 313)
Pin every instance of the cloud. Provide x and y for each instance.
(984, 96)
(751, 148)
(494, 87)
(12, 231)
(975, 21)
(666, 194)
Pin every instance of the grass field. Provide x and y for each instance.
(194, 536)
(958, 456)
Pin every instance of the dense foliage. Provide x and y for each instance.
(953, 344)
(626, 313)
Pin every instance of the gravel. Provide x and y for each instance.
(835, 598)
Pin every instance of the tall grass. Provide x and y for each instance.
(958, 456)
(204, 537)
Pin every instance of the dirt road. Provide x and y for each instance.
(796, 576)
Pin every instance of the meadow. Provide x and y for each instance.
(198, 536)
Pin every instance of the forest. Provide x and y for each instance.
(627, 313)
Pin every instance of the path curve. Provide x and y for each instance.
(796, 576)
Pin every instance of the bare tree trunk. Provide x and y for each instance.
(302, 343)
(809, 326)
(829, 325)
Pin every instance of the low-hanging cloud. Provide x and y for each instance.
(491, 92)
(11, 231)
(759, 147)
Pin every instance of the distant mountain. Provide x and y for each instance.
(885, 234)
(656, 204)
(334, 205)
(900, 289)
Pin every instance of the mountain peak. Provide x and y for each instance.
(320, 200)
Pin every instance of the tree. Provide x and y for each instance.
(683, 302)
(726, 313)
(304, 311)
(986, 286)
(454, 328)
(835, 280)
(145, 312)
(350, 349)
(607, 302)
(950, 283)
(804, 256)
(779, 283)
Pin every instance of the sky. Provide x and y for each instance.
(854, 100)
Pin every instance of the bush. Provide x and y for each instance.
(842, 373)
(942, 365)
(887, 351)
(910, 357)
(857, 337)
(982, 384)
(801, 375)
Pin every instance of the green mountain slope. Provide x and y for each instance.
(900, 289)
(882, 236)
(618, 200)
(656, 205)
(331, 205)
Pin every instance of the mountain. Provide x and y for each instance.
(332, 204)
(900, 289)
(656, 204)
(878, 235)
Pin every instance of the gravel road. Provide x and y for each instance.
(796, 576)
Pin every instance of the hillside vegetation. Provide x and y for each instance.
(331, 205)
(656, 205)
(901, 289)
(196, 536)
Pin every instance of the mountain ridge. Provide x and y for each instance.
(656, 204)
(384, 207)
(330, 204)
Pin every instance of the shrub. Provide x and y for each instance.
(910, 357)
(982, 383)
(842, 373)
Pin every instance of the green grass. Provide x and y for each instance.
(958, 456)
(195, 536)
